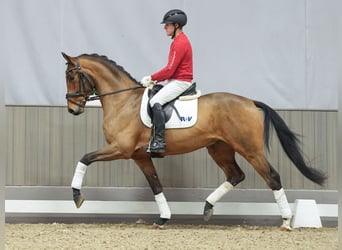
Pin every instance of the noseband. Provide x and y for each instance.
(85, 80)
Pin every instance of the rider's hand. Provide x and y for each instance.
(146, 81)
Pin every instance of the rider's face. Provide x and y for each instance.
(169, 29)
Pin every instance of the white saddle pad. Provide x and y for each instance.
(186, 109)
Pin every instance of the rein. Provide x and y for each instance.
(97, 97)
(84, 80)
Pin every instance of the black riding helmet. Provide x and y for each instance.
(175, 16)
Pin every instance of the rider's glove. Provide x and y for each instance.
(146, 81)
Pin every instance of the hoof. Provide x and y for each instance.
(208, 211)
(159, 224)
(78, 198)
(286, 225)
(285, 229)
(78, 201)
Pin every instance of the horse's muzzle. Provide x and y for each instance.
(75, 107)
(75, 112)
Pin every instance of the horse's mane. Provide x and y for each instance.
(106, 60)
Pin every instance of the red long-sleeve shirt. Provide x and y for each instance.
(179, 64)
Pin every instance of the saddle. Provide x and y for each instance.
(169, 107)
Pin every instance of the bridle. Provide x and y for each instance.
(86, 81)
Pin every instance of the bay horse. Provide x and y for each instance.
(227, 124)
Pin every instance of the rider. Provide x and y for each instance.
(177, 74)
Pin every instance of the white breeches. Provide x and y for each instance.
(171, 89)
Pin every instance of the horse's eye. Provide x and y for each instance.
(71, 78)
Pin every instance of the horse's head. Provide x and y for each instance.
(79, 85)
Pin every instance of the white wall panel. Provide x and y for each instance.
(281, 52)
(45, 143)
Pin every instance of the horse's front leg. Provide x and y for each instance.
(104, 154)
(76, 183)
(147, 167)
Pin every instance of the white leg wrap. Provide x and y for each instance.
(78, 175)
(219, 192)
(164, 209)
(284, 207)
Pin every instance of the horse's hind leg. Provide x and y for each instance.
(224, 156)
(147, 167)
(272, 178)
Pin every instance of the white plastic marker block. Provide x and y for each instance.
(306, 214)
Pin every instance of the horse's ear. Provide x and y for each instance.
(69, 59)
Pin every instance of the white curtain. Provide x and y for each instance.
(284, 53)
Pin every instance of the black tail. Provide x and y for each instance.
(289, 142)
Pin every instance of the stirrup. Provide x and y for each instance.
(154, 151)
(156, 148)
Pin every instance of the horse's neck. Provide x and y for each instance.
(124, 104)
(110, 80)
(117, 94)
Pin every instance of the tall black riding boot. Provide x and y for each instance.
(157, 144)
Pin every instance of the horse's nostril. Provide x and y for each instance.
(75, 112)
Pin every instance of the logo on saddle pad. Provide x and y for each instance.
(184, 116)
